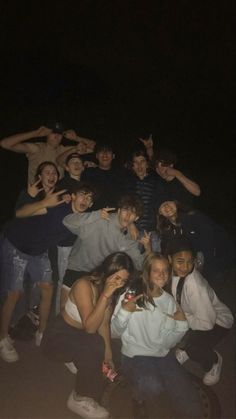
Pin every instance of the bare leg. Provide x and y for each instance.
(7, 310)
(45, 304)
(64, 296)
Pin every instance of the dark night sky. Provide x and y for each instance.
(116, 69)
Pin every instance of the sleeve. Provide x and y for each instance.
(75, 221)
(201, 314)
(173, 330)
(119, 322)
(24, 198)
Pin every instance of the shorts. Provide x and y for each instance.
(16, 264)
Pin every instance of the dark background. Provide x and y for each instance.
(115, 70)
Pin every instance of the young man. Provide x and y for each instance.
(25, 251)
(37, 152)
(174, 182)
(74, 166)
(99, 234)
(107, 180)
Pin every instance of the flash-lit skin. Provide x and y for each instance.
(121, 277)
(49, 178)
(81, 201)
(159, 276)
(163, 171)
(75, 167)
(168, 210)
(126, 217)
(105, 158)
(140, 166)
(182, 263)
(54, 139)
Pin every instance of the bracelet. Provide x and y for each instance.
(105, 296)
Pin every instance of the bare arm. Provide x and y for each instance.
(40, 207)
(17, 142)
(190, 185)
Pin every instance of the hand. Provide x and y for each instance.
(81, 147)
(130, 305)
(179, 314)
(33, 189)
(42, 132)
(88, 163)
(146, 241)
(53, 198)
(170, 172)
(70, 134)
(66, 198)
(105, 213)
(133, 231)
(113, 282)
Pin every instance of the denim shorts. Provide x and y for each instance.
(16, 264)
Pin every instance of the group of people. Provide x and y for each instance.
(105, 230)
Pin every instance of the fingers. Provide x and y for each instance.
(108, 209)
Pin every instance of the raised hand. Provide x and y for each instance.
(113, 282)
(55, 198)
(42, 132)
(130, 305)
(104, 212)
(179, 314)
(70, 134)
(146, 241)
(33, 188)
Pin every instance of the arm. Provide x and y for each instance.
(17, 142)
(40, 207)
(188, 184)
(105, 331)
(75, 221)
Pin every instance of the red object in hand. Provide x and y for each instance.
(109, 372)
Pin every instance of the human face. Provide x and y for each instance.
(105, 158)
(54, 139)
(48, 177)
(168, 209)
(126, 216)
(81, 201)
(140, 166)
(122, 277)
(75, 167)
(162, 169)
(159, 274)
(182, 263)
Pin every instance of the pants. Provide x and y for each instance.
(200, 344)
(64, 343)
(149, 376)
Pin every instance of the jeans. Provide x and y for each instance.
(150, 376)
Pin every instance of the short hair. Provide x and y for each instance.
(131, 201)
(103, 147)
(180, 244)
(166, 156)
(42, 165)
(84, 187)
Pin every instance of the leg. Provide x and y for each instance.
(7, 311)
(63, 297)
(45, 304)
(63, 255)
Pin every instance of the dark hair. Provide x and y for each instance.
(39, 172)
(112, 263)
(180, 244)
(136, 153)
(103, 147)
(131, 201)
(84, 187)
(166, 156)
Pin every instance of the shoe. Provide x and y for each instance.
(86, 407)
(212, 377)
(7, 350)
(139, 410)
(71, 367)
(181, 356)
(38, 338)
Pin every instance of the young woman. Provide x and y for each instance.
(208, 318)
(211, 241)
(81, 333)
(147, 335)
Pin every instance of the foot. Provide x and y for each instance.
(181, 356)
(7, 350)
(38, 338)
(139, 410)
(86, 407)
(212, 377)
(71, 367)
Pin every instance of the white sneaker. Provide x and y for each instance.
(7, 350)
(38, 338)
(86, 407)
(71, 367)
(181, 356)
(212, 377)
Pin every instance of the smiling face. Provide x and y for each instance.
(159, 273)
(49, 177)
(182, 263)
(105, 158)
(168, 209)
(81, 201)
